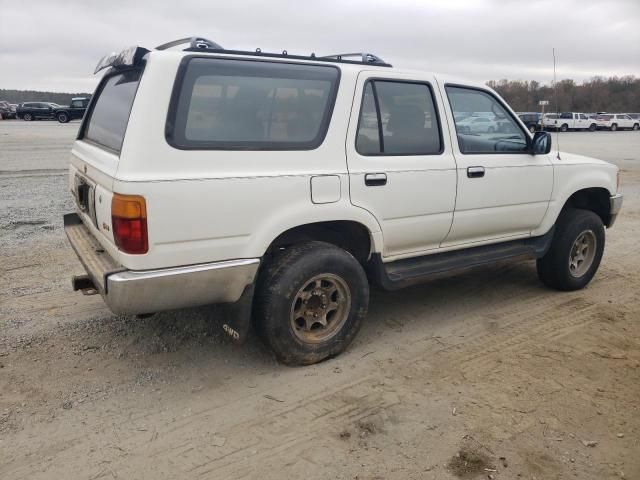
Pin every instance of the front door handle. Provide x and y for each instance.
(375, 179)
(475, 172)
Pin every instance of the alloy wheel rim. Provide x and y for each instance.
(320, 308)
(582, 253)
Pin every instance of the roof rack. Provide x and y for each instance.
(363, 56)
(197, 44)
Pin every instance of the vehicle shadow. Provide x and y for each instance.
(196, 334)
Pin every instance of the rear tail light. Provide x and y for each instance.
(129, 221)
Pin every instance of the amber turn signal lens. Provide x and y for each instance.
(129, 221)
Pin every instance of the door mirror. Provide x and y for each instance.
(541, 143)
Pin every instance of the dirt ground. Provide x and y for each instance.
(483, 375)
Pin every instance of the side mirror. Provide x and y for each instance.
(541, 143)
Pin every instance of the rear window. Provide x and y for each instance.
(109, 115)
(251, 105)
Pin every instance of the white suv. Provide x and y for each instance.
(283, 185)
(618, 121)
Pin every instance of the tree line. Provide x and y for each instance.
(599, 94)
(21, 96)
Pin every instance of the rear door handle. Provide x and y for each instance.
(475, 172)
(375, 179)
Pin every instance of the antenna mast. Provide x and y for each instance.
(555, 94)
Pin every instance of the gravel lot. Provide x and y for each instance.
(483, 375)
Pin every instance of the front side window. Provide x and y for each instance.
(252, 105)
(398, 118)
(490, 128)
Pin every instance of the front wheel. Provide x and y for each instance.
(636, 126)
(614, 127)
(592, 127)
(62, 117)
(310, 302)
(564, 127)
(27, 117)
(575, 252)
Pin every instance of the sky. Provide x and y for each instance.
(55, 44)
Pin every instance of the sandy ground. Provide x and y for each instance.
(483, 375)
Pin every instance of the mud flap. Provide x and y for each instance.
(236, 317)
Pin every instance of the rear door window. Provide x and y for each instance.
(107, 121)
(398, 118)
(251, 105)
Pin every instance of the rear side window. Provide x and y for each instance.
(251, 105)
(398, 118)
(109, 115)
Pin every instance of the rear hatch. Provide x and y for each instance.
(96, 153)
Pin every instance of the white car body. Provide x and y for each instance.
(616, 121)
(569, 121)
(212, 214)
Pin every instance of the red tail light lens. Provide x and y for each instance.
(129, 221)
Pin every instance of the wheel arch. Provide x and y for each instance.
(595, 199)
(350, 235)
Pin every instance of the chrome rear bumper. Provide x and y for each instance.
(615, 204)
(148, 291)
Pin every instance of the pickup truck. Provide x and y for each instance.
(569, 121)
(283, 186)
(75, 110)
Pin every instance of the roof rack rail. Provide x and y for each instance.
(196, 44)
(364, 57)
(199, 43)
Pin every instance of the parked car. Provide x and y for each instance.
(617, 121)
(251, 179)
(569, 121)
(36, 110)
(75, 110)
(475, 124)
(7, 110)
(531, 120)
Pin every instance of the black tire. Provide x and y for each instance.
(554, 268)
(532, 128)
(564, 127)
(636, 126)
(280, 284)
(62, 117)
(27, 117)
(593, 127)
(614, 127)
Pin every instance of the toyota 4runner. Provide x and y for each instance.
(284, 185)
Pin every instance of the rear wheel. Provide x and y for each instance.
(27, 117)
(592, 127)
(62, 117)
(564, 127)
(636, 126)
(614, 127)
(575, 252)
(310, 302)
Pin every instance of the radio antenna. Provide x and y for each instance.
(555, 94)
